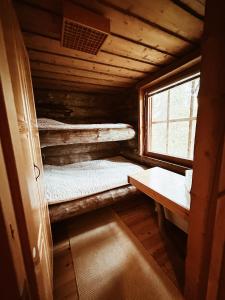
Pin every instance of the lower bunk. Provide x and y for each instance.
(78, 188)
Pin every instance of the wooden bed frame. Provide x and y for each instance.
(65, 210)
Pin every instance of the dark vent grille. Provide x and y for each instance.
(82, 38)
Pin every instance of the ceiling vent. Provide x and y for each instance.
(83, 30)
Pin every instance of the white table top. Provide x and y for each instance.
(166, 187)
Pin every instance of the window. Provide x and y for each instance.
(171, 120)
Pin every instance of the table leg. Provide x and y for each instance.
(161, 218)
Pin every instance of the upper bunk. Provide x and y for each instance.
(57, 133)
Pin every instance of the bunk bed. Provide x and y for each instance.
(52, 132)
(77, 188)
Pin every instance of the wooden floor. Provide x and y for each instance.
(140, 217)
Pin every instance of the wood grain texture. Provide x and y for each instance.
(65, 286)
(141, 218)
(65, 85)
(66, 210)
(115, 72)
(143, 37)
(23, 152)
(86, 136)
(42, 70)
(61, 155)
(45, 44)
(131, 153)
(107, 237)
(121, 24)
(165, 187)
(208, 181)
(163, 14)
(81, 108)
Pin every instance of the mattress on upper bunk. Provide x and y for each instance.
(57, 133)
(78, 180)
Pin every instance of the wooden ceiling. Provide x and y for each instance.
(145, 37)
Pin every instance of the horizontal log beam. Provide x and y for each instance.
(62, 160)
(62, 137)
(66, 210)
(61, 155)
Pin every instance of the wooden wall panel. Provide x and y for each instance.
(73, 107)
(79, 107)
(62, 155)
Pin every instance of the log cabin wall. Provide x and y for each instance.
(145, 37)
(85, 108)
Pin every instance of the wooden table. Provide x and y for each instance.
(168, 189)
(165, 187)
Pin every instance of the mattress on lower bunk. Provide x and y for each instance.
(78, 180)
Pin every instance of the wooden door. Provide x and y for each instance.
(22, 156)
(13, 279)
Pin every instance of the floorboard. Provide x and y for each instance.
(141, 218)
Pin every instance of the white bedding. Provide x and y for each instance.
(49, 124)
(74, 181)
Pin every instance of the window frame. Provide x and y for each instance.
(146, 113)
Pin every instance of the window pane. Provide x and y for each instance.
(159, 106)
(158, 140)
(195, 95)
(178, 139)
(193, 127)
(180, 99)
(174, 136)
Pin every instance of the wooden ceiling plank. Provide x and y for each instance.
(194, 7)
(83, 68)
(164, 13)
(115, 73)
(135, 29)
(68, 85)
(56, 67)
(73, 78)
(121, 24)
(38, 21)
(41, 43)
(121, 46)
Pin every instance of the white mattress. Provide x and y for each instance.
(49, 124)
(74, 181)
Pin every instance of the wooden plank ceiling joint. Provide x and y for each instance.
(145, 37)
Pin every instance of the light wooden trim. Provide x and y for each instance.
(149, 182)
(186, 65)
(153, 162)
(141, 122)
(176, 71)
(173, 159)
